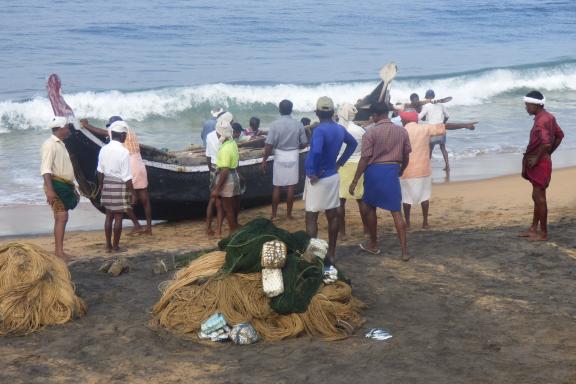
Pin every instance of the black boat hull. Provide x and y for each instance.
(176, 192)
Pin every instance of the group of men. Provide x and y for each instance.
(122, 177)
(381, 165)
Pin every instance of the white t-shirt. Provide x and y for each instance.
(114, 160)
(434, 113)
(357, 132)
(212, 146)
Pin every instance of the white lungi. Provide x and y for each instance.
(286, 166)
(323, 195)
(416, 189)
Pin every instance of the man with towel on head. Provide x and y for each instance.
(227, 183)
(286, 137)
(212, 148)
(346, 114)
(385, 154)
(322, 186)
(58, 174)
(416, 181)
(117, 194)
(545, 136)
(138, 168)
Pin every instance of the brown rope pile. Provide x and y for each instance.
(35, 290)
(199, 291)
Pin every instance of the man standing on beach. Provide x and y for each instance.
(322, 186)
(139, 174)
(58, 174)
(286, 137)
(435, 113)
(385, 154)
(545, 136)
(416, 181)
(115, 181)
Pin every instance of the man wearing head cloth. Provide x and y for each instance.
(212, 147)
(346, 114)
(545, 136)
(139, 173)
(416, 181)
(322, 185)
(227, 183)
(58, 174)
(117, 194)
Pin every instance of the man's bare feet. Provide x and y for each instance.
(273, 219)
(148, 231)
(406, 257)
(343, 236)
(290, 217)
(538, 236)
(136, 231)
(425, 226)
(108, 249)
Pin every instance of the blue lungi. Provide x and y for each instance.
(382, 186)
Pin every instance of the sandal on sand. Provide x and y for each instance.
(374, 252)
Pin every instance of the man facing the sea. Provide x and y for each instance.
(435, 113)
(545, 136)
(117, 194)
(286, 137)
(322, 187)
(58, 174)
(385, 154)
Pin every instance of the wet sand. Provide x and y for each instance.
(475, 305)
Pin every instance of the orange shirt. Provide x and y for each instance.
(419, 134)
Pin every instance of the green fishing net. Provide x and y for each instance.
(301, 278)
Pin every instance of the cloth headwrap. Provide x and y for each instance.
(408, 117)
(532, 100)
(224, 129)
(346, 113)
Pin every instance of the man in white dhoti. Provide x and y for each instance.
(286, 137)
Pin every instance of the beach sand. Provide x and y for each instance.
(476, 304)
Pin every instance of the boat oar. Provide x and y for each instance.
(387, 74)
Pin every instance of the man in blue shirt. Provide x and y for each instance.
(321, 191)
(209, 125)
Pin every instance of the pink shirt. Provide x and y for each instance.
(419, 134)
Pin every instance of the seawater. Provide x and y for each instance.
(162, 65)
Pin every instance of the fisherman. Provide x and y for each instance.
(115, 182)
(385, 154)
(545, 136)
(227, 184)
(212, 147)
(208, 125)
(58, 174)
(285, 138)
(416, 181)
(139, 173)
(322, 186)
(253, 130)
(435, 113)
(346, 114)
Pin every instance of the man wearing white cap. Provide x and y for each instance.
(58, 174)
(545, 136)
(117, 194)
(322, 186)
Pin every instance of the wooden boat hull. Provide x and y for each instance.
(176, 192)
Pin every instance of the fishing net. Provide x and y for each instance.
(35, 290)
(301, 278)
(201, 289)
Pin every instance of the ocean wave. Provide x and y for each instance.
(471, 88)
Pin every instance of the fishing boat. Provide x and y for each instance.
(178, 181)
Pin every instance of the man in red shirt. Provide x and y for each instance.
(545, 137)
